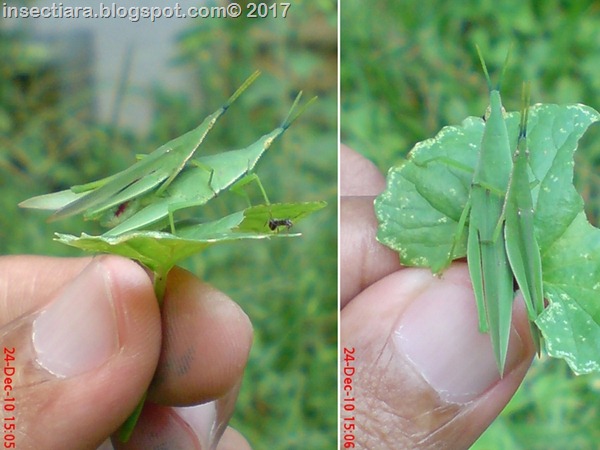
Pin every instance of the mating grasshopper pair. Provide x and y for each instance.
(501, 243)
(166, 180)
(472, 189)
(163, 182)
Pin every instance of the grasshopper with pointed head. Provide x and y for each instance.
(501, 243)
(156, 170)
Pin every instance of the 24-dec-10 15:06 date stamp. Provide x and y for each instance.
(8, 400)
(348, 422)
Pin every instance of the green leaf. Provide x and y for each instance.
(425, 196)
(160, 251)
(420, 208)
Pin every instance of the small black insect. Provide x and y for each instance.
(274, 224)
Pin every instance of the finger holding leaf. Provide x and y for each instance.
(426, 214)
(139, 203)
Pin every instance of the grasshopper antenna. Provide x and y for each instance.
(291, 116)
(485, 70)
(484, 67)
(525, 99)
(242, 88)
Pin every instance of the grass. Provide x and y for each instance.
(410, 68)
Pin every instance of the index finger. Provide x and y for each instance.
(363, 260)
(358, 175)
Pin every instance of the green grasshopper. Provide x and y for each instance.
(202, 180)
(211, 175)
(501, 244)
(489, 267)
(521, 246)
(161, 166)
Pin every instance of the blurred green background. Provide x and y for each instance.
(409, 67)
(52, 136)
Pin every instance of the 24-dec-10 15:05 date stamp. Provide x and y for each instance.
(8, 399)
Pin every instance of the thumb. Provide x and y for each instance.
(424, 376)
(75, 368)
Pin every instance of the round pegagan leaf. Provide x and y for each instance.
(571, 273)
(425, 196)
(569, 244)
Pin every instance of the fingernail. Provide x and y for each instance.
(77, 332)
(210, 420)
(190, 427)
(439, 334)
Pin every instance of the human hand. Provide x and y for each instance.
(88, 339)
(425, 377)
